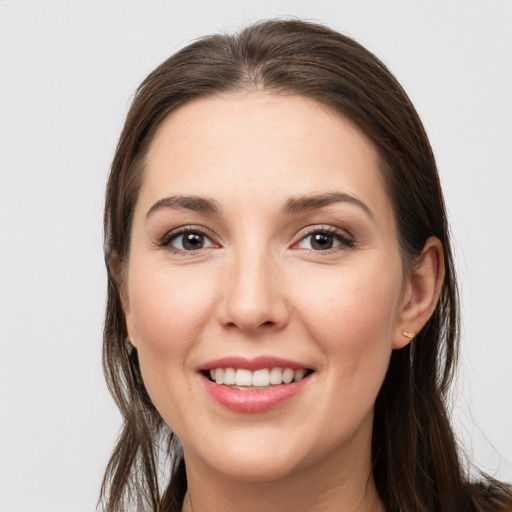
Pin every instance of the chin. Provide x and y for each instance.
(252, 456)
(259, 469)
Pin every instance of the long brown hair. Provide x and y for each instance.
(416, 462)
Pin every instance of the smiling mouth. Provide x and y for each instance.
(241, 378)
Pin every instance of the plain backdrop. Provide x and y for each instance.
(68, 70)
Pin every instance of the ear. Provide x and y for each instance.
(118, 271)
(420, 296)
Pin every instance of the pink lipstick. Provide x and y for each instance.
(253, 385)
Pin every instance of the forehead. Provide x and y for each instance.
(233, 146)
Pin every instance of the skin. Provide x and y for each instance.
(258, 286)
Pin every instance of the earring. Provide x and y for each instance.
(129, 345)
(408, 335)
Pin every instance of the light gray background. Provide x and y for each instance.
(67, 73)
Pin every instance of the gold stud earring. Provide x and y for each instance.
(408, 335)
(129, 344)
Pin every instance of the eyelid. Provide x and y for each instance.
(346, 238)
(165, 240)
(342, 235)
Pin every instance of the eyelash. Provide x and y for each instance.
(345, 240)
(165, 242)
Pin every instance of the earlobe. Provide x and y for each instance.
(425, 282)
(118, 273)
(130, 327)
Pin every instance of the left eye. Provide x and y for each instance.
(189, 241)
(323, 241)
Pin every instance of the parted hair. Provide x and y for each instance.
(417, 464)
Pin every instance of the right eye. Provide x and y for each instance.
(187, 240)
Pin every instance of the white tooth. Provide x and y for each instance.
(288, 375)
(243, 377)
(276, 376)
(261, 378)
(229, 376)
(212, 374)
(299, 374)
(219, 376)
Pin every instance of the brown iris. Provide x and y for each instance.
(193, 241)
(321, 241)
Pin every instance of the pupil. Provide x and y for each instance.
(193, 241)
(321, 241)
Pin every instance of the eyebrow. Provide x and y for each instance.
(316, 201)
(293, 204)
(196, 203)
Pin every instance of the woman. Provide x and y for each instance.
(282, 318)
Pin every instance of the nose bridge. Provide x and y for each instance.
(252, 297)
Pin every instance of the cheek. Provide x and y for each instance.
(353, 299)
(351, 314)
(169, 309)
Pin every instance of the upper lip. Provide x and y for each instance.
(256, 363)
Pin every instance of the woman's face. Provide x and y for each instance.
(264, 248)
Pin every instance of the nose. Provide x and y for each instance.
(253, 295)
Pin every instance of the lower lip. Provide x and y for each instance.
(254, 400)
